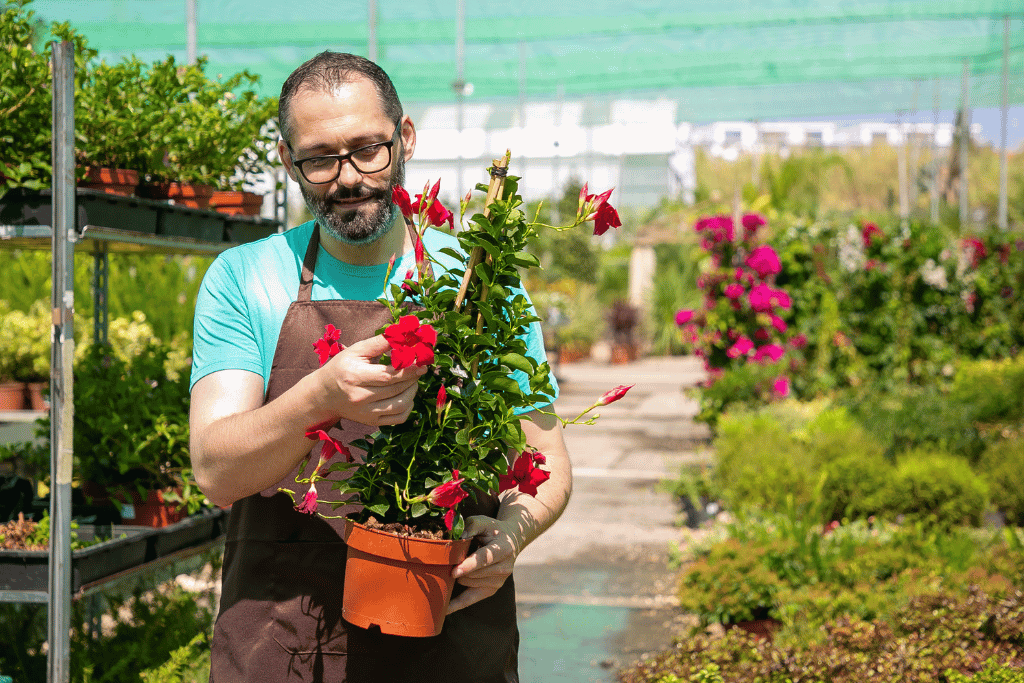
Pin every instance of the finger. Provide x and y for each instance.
(469, 597)
(371, 348)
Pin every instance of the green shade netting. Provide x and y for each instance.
(747, 60)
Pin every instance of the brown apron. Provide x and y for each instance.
(280, 610)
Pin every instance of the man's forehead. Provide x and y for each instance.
(354, 92)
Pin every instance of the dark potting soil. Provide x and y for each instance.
(433, 531)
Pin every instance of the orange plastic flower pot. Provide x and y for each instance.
(189, 195)
(398, 583)
(118, 181)
(237, 203)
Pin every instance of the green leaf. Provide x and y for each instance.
(418, 509)
(517, 362)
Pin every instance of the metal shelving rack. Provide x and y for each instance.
(63, 239)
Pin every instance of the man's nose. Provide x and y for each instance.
(348, 175)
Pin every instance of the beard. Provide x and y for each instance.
(363, 224)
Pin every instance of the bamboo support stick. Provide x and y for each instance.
(494, 190)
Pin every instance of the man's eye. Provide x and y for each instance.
(320, 162)
(368, 152)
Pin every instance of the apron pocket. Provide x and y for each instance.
(307, 587)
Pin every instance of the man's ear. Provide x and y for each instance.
(286, 158)
(408, 137)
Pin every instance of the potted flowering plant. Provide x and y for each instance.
(467, 323)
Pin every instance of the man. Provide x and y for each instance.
(257, 389)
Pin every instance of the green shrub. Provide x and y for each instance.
(992, 673)
(787, 448)
(1002, 464)
(936, 489)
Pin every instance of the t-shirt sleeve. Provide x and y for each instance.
(224, 336)
(535, 349)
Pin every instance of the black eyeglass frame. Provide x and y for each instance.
(388, 145)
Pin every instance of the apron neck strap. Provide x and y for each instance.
(308, 266)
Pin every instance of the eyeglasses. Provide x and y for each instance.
(374, 158)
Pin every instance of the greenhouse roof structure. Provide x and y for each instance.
(745, 60)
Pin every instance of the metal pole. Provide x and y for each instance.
(901, 169)
(61, 356)
(460, 89)
(935, 161)
(1003, 223)
(190, 30)
(965, 141)
(371, 30)
(522, 105)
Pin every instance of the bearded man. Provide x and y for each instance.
(257, 388)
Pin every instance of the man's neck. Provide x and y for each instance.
(394, 242)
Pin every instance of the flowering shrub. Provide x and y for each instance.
(468, 325)
(742, 322)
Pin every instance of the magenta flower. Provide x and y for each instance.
(742, 347)
(411, 343)
(734, 291)
(762, 334)
(799, 341)
(613, 395)
(781, 386)
(771, 352)
(683, 317)
(778, 323)
(752, 221)
(764, 261)
(524, 474)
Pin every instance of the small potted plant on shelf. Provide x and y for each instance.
(29, 336)
(12, 390)
(467, 323)
(203, 130)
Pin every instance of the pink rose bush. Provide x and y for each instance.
(743, 319)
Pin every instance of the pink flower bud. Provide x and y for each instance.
(614, 395)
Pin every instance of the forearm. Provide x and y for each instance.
(532, 515)
(237, 454)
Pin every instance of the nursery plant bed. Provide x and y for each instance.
(133, 216)
(131, 547)
(28, 570)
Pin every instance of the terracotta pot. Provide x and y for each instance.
(237, 203)
(12, 396)
(572, 354)
(624, 353)
(401, 584)
(151, 510)
(36, 400)
(117, 181)
(190, 195)
(759, 628)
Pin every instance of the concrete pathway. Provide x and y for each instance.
(594, 592)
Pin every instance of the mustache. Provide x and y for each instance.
(357, 192)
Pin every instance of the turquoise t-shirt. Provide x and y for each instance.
(247, 290)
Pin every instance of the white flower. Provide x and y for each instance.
(934, 274)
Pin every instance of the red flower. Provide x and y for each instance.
(330, 447)
(868, 233)
(977, 250)
(683, 317)
(614, 395)
(421, 255)
(602, 213)
(309, 501)
(411, 343)
(448, 495)
(400, 197)
(734, 291)
(436, 214)
(799, 341)
(442, 396)
(524, 474)
(327, 347)
(409, 274)
(772, 352)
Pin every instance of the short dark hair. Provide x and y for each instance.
(328, 70)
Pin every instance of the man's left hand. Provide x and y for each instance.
(486, 570)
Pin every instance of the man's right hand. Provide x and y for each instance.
(359, 388)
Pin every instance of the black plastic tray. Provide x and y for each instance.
(134, 214)
(131, 546)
